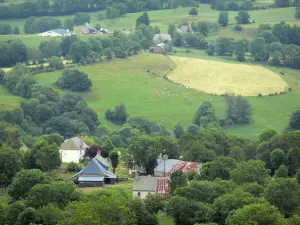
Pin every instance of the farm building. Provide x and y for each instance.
(161, 38)
(159, 49)
(144, 185)
(87, 29)
(166, 167)
(184, 29)
(72, 150)
(55, 33)
(96, 173)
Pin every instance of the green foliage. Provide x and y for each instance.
(277, 158)
(24, 181)
(239, 110)
(108, 53)
(5, 29)
(74, 80)
(154, 203)
(69, 24)
(29, 216)
(56, 63)
(178, 130)
(80, 49)
(50, 214)
(243, 17)
(143, 19)
(73, 167)
(143, 217)
(182, 210)
(297, 14)
(218, 168)
(223, 19)
(250, 171)
(253, 188)
(267, 134)
(13, 211)
(281, 172)
(223, 205)
(50, 48)
(119, 115)
(282, 3)
(112, 13)
(12, 52)
(241, 47)
(284, 193)
(81, 18)
(114, 157)
(41, 24)
(294, 122)
(225, 46)
(256, 214)
(178, 179)
(11, 162)
(193, 12)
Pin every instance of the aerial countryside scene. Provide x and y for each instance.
(149, 112)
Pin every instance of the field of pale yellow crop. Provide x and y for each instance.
(220, 77)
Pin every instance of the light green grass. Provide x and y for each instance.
(8, 100)
(164, 219)
(3, 200)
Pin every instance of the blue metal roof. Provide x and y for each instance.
(90, 178)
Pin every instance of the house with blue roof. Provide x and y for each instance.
(96, 173)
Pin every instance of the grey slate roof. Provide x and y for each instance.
(169, 164)
(74, 143)
(145, 183)
(161, 38)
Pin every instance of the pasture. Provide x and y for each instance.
(7, 99)
(220, 78)
(127, 81)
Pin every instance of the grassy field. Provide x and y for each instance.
(7, 100)
(127, 81)
(239, 79)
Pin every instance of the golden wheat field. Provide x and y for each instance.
(219, 77)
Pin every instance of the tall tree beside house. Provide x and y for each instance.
(114, 157)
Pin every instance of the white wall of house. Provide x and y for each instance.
(71, 155)
(142, 194)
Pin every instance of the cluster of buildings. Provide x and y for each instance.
(86, 29)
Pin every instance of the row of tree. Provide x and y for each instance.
(8, 29)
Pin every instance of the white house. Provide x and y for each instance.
(56, 32)
(145, 185)
(72, 150)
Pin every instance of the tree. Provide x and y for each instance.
(108, 53)
(13, 211)
(297, 14)
(284, 193)
(225, 46)
(66, 43)
(254, 189)
(267, 134)
(98, 26)
(178, 130)
(69, 24)
(143, 217)
(250, 171)
(16, 30)
(258, 49)
(239, 110)
(276, 56)
(47, 156)
(74, 80)
(154, 203)
(193, 12)
(240, 50)
(112, 13)
(202, 111)
(281, 172)
(50, 214)
(223, 19)
(226, 203)
(73, 167)
(243, 17)
(294, 122)
(282, 3)
(178, 179)
(182, 210)
(114, 157)
(80, 50)
(10, 164)
(193, 130)
(50, 48)
(277, 158)
(56, 63)
(218, 168)
(24, 181)
(171, 29)
(143, 19)
(29, 216)
(256, 214)
(81, 18)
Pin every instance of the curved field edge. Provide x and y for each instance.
(144, 94)
(219, 78)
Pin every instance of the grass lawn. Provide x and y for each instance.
(8, 100)
(3, 200)
(164, 219)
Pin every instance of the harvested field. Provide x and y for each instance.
(219, 77)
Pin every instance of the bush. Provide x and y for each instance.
(229, 122)
(259, 95)
(74, 80)
(238, 28)
(56, 63)
(73, 167)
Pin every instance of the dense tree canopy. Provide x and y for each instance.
(74, 80)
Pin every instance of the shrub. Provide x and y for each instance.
(73, 167)
(238, 28)
(56, 63)
(259, 95)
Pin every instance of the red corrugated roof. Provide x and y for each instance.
(163, 186)
(191, 166)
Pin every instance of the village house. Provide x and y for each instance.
(159, 49)
(161, 38)
(168, 166)
(185, 28)
(72, 150)
(56, 33)
(96, 173)
(145, 185)
(87, 29)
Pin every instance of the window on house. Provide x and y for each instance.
(65, 152)
(139, 194)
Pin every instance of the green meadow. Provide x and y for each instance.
(127, 81)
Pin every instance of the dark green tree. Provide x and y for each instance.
(277, 158)
(294, 122)
(281, 172)
(143, 19)
(114, 157)
(81, 18)
(69, 24)
(243, 17)
(74, 80)
(154, 203)
(16, 30)
(223, 19)
(193, 12)
(225, 46)
(178, 130)
(178, 179)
